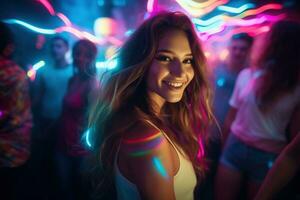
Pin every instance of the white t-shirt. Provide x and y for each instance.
(52, 83)
(266, 130)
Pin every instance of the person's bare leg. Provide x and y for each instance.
(227, 184)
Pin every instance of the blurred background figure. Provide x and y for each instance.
(264, 105)
(283, 171)
(225, 74)
(15, 120)
(49, 89)
(72, 149)
(224, 77)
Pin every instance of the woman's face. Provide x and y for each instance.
(171, 69)
(82, 58)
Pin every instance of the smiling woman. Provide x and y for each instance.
(151, 117)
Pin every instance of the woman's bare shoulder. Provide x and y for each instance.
(146, 160)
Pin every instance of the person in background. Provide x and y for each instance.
(226, 73)
(72, 148)
(49, 88)
(224, 77)
(284, 169)
(15, 119)
(151, 118)
(265, 103)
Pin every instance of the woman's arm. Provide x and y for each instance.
(284, 169)
(146, 159)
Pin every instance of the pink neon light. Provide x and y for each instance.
(243, 22)
(150, 5)
(196, 12)
(66, 21)
(201, 149)
(114, 41)
(261, 9)
(198, 4)
(48, 6)
(253, 31)
(72, 30)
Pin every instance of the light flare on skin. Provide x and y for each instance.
(145, 139)
(144, 146)
(48, 6)
(159, 167)
(196, 12)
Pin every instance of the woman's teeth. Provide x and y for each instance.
(176, 85)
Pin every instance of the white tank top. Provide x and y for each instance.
(184, 180)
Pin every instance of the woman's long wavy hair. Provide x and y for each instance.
(125, 94)
(280, 60)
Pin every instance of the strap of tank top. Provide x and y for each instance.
(167, 137)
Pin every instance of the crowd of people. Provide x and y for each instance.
(160, 126)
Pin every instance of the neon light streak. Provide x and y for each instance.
(223, 17)
(208, 22)
(87, 138)
(150, 5)
(79, 34)
(31, 27)
(159, 167)
(48, 6)
(196, 12)
(109, 64)
(260, 10)
(253, 31)
(38, 65)
(197, 4)
(216, 28)
(32, 72)
(236, 10)
(66, 21)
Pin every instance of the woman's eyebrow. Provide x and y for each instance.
(169, 51)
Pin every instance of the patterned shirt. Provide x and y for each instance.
(15, 115)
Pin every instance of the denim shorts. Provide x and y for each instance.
(251, 162)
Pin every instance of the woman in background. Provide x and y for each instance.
(72, 149)
(264, 102)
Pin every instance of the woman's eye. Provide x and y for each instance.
(163, 58)
(188, 61)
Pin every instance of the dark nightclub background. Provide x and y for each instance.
(109, 22)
